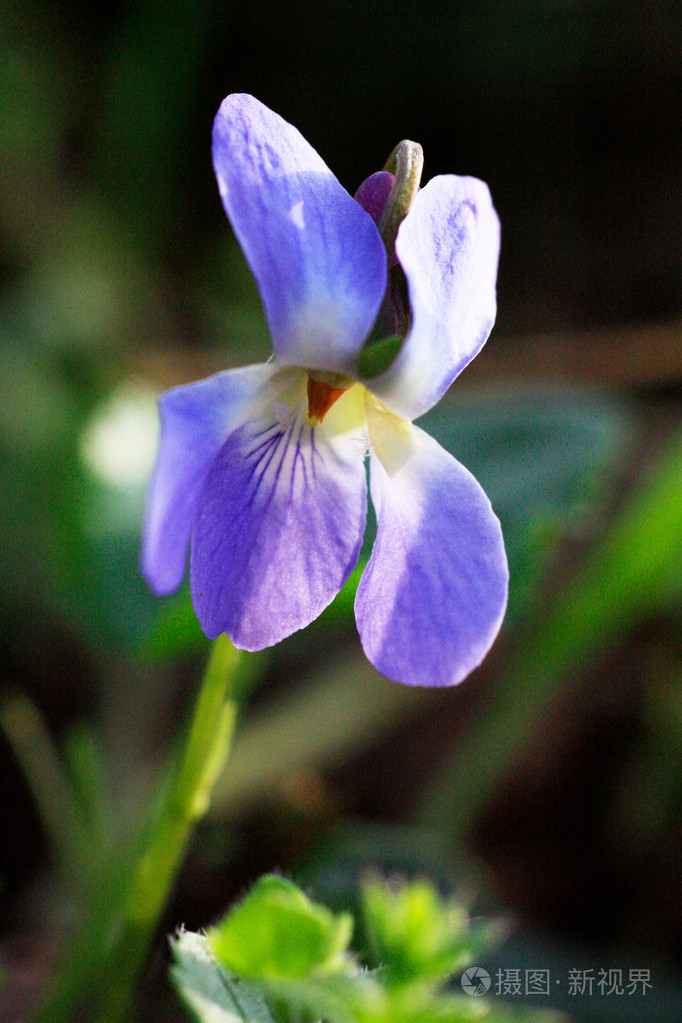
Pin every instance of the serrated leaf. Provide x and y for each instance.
(208, 990)
(418, 936)
(277, 932)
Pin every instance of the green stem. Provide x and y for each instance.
(185, 800)
(133, 887)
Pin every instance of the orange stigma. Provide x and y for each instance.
(321, 397)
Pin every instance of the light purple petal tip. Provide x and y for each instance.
(433, 595)
(278, 533)
(448, 247)
(316, 255)
(195, 422)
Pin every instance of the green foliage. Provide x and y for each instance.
(415, 936)
(278, 932)
(119, 270)
(277, 957)
(545, 456)
(209, 992)
(125, 879)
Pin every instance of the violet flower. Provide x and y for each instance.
(261, 470)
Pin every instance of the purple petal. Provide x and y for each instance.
(433, 595)
(373, 193)
(316, 255)
(448, 247)
(195, 422)
(279, 530)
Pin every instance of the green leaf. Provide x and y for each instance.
(423, 941)
(417, 936)
(543, 456)
(277, 932)
(530, 445)
(208, 990)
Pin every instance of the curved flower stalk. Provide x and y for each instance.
(261, 472)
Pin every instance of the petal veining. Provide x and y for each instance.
(316, 254)
(196, 419)
(448, 247)
(279, 530)
(433, 595)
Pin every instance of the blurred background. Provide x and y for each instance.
(547, 787)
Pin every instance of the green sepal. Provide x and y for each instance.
(277, 932)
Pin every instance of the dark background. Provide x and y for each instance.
(117, 265)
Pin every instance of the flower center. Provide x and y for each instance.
(322, 395)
